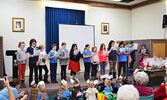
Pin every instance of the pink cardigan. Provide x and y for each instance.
(102, 58)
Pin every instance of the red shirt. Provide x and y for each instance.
(102, 58)
(143, 90)
(160, 93)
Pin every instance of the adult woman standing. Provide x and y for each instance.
(112, 58)
(87, 54)
(74, 64)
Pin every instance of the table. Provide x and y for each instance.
(156, 77)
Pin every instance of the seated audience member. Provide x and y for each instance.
(34, 92)
(101, 85)
(91, 91)
(108, 86)
(14, 85)
(42, 92)
(63, 92)
(11, 95)
(127, 92)
(119, 82)
(142, 79)
(161, 92)
(77, 90)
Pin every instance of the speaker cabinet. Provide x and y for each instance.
(164, 24)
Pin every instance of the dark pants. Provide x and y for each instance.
(132, 64)
(122, 64)
(34, 68)
(72, 73)
(40, 72)
(63, 70)
(87, 67)
(102, 68)
(53, 71)
(94, 70)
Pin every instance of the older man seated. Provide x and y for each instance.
(142, 79)
(127, 92)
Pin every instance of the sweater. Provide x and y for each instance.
(73, 57)
(20, 56)
(30, 50)
(112, 55)
(63, 52)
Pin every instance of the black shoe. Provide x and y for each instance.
(47, 82)
(56, 81)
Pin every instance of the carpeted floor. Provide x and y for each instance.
(53, 88)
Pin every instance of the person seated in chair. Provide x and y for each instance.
(142, 79)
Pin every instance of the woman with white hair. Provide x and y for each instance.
(127, 92)
(142, 79)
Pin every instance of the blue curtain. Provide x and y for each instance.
(56, 16)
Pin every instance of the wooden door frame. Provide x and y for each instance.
(157, 41)
(2, 57)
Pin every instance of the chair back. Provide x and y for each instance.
(151, 97)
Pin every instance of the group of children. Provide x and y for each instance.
(35, 57)
(104, 84)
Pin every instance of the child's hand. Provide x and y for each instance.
(23, 60)
(37, 63)
(31, 56)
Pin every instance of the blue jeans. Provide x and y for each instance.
(102, 68)
(53, 71)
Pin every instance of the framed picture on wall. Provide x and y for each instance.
(18, 24)
(105, 28)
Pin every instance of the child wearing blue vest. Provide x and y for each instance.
(53, 63)
(122, 58)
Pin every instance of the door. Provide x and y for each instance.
(159, 49)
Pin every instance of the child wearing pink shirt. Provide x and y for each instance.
(102, 58)
(95, 62)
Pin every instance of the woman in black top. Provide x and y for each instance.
(74, 64)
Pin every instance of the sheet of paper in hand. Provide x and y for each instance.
(105, 53)
(26, 56)
(115, 46)
(67, 55)
(122, 49)
(36, 52)
(135, 46)
(57, 54)
(76, 51)
(46, 56)
(143, 51)
(94, 54)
